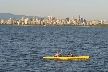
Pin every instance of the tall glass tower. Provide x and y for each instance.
(79, 17)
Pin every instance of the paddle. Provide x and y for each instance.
(60, 52)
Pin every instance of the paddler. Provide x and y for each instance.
(57, 54)
(70, 54)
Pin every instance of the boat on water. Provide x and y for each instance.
(67, 57)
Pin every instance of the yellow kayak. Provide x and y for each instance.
(67, 58)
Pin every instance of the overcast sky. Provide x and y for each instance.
(88, 9)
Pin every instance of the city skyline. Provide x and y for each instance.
(90, 10)
(50, 20)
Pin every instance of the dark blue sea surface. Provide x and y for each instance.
(22, 48)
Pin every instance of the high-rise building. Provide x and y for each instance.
(10, 21)
(34, 20)
(97, 22)
(50, 17)
(84, 20)
(101, 22)
(2, 21)
(67, 19)
(79, 17)
(26, 21)
(104, 21)
(22, 19)
(73, 19)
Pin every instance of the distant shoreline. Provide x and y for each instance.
(98, 25)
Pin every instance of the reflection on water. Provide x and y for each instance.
(22, 48)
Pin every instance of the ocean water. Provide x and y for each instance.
(22, 48)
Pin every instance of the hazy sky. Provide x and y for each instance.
(88, 9)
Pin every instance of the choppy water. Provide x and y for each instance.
(22, 48)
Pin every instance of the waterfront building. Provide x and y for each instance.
(104, 22)
(2, 21)
(73, 19)
(14, 21)
(82, 20)
(26, 21)
(79, 17)
(10, 21)
(50, 17)
(34, 21)
(69, 22)
(23, 20)
(20, 22)
(93, 22)
(96, 22)
(88, 23)
(75, 22)
(67, 19)
(79, 22)
(101, 21)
